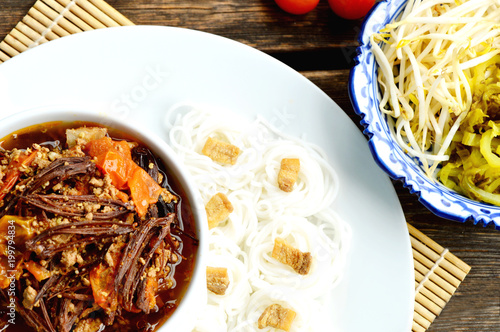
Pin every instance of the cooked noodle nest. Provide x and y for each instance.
(243, 243)
(306, 310)
(225, 253)
(298, 232)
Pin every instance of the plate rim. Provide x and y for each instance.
(246, 48)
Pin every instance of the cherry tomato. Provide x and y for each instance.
(351, 9)
(297, 7)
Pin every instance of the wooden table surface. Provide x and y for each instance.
(321, 46)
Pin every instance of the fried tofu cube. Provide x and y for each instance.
(218, 209)
(217, 280)
(221, 152)
(288, 174)
(278, 317)
(299, 261)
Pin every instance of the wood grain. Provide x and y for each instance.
(321, 46)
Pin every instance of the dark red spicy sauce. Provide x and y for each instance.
(53, 135)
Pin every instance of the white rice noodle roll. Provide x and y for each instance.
(225, 253)
(309, 316)
(314, 190)
(327, 261)
(212, 318)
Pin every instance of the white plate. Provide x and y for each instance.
(139, 72)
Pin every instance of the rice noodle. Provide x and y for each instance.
(262, 212)
(307, 319)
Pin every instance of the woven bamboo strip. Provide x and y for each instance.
(3, 57)
(7, 49)
(111, 12)
(98, 14)
(417, 328)
(424, 312)
(64, 23)
(46, 21)
(424, 291)
(417, 318)
(20, 37)
(427, 303)
(39, 28)
(434, 278)
(432, 255)
(81, 13)
(432, 287)
(437, 248)
(437, 270)
(16, 44)
(31, 34)
(69, 15)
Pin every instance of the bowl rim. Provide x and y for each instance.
(364, 97)
(194, 298)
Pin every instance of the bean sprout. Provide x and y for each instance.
(426, 62)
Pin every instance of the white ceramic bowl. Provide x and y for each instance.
(194, 299)
(364, 94)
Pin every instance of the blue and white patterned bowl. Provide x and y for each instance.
(364, 94)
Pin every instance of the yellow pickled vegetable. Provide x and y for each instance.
(474, 165)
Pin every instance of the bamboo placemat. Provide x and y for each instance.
(438, 273)
(52, 19)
